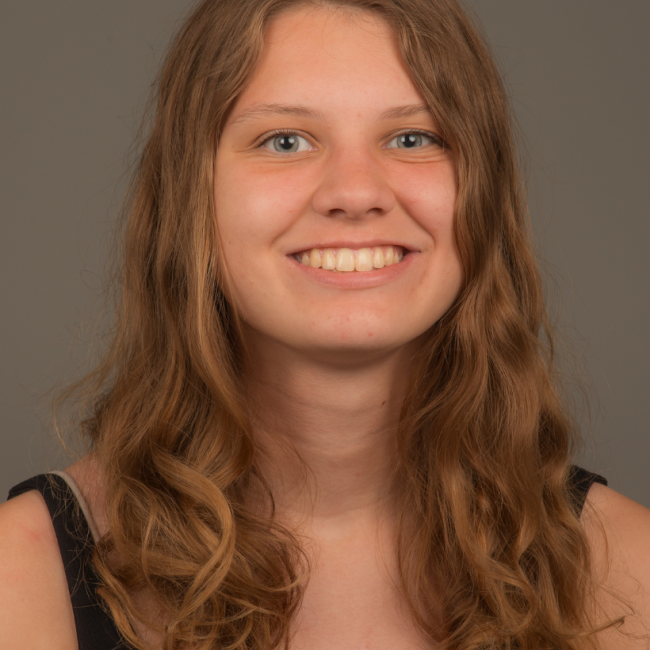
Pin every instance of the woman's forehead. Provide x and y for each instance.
(330, 60)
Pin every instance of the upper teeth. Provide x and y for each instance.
(347, 259)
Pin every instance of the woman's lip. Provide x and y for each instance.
(355, 279)
(353, 246)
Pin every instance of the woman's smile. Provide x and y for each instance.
(363, 268)
(346, 259)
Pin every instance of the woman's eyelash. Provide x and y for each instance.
(436, 138)
(275, 134)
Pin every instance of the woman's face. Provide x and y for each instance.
(329, 168)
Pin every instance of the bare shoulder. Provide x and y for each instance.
(618, 529)
(626, 525)
(35, 608)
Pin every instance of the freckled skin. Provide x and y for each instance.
(348, 184)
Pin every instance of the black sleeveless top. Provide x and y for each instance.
(96, 630)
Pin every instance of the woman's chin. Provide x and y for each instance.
(353, 337)
(349, 348)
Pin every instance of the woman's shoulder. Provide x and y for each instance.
(618, 530)
(624, 523)
(35, 607)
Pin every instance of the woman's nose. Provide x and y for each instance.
(353, 186)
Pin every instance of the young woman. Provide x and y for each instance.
(328, 416)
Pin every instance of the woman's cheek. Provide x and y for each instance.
(263, 202)
(428, 193)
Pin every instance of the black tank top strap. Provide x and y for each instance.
(95, 628)
(579, 482)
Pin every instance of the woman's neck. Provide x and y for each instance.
(339, 417)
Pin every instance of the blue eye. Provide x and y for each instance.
(413, 140)
(286, 143)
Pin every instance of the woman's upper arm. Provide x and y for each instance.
(35, 607)
(619, 533)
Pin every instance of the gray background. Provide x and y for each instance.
(74, 76)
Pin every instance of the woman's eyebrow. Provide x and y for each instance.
(409, 110)
(264, 110)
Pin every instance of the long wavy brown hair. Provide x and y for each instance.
(491, 553)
